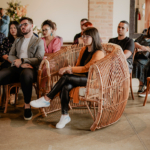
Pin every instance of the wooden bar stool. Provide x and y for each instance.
(148, 82)
(131, 86)
(135, 51)
(7, 89)
(1, 95)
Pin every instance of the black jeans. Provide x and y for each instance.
(65, 84)
(6, 64)
(24, 75)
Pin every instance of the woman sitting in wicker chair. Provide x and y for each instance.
(74, 76)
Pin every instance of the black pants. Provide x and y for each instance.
(6, 64)
(24, 75)
(65, 84)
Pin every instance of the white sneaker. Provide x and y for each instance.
(143, 94)
(12, 99)
(41, 102)
(63, 121)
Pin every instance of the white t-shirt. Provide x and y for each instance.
(24, 48)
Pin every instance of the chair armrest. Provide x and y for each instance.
(94, 84)
(50, 66)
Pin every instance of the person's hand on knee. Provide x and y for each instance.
(62, 71)
(17, 62)
(69, 70)
(26, 66)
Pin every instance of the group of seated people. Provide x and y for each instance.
(22, 52)
(141, 69)
(52, 43)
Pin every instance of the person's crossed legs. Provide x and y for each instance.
(64, 85)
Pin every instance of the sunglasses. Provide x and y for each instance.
(85, 36)
(24, 24)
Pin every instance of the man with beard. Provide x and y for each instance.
(26, 54)
(126, 43)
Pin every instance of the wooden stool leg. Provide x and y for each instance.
(147, 90)
(3, 96)
(131, 86)
(16, 95)
(6, 97)
(42, 111)
(69, 106)
(36, 89)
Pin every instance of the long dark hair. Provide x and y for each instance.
(96, 42)
(10, 37)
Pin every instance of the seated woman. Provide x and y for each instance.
(14, 32)
(74, 76)
(141, 69)
(52, 44)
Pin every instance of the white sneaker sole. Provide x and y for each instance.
(28, 118)
(39, 106)
(143, 95)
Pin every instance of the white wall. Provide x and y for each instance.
(121, 11)
(66, 13)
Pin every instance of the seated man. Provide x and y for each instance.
(25, 56)
(84, 20)
(126, 43)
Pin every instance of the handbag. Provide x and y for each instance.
(142, 57)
